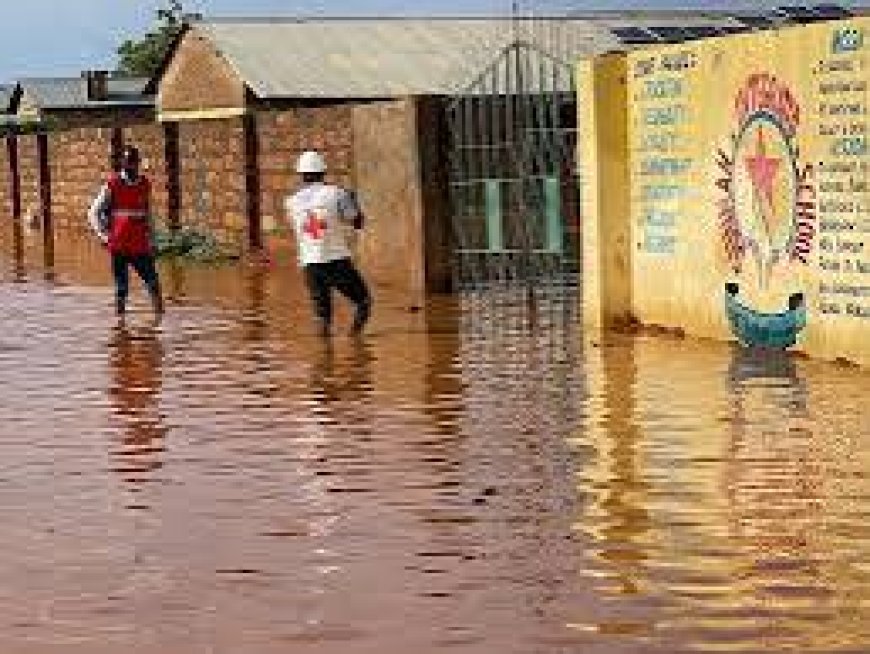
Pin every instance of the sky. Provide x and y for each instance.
(64, 37)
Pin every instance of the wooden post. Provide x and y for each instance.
(45, 201)
(14, 176)
(252, 182)
(173, 175)
(117, 147)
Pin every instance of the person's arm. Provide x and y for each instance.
(350, 211)
(287, 221)
(99, 212)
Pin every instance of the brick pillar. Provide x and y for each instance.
(14, 176)
(252, 182)
(172, 160)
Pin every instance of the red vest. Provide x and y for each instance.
(130, 227)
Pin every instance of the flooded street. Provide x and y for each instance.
(468, 479)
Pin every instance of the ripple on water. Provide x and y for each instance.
(466, 479)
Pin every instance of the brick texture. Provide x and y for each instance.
(213, 177)
(389, 152)
(284, 134)
(149, 140)
(79, 160)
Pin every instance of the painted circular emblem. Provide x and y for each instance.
(767, 213)
(765, 187)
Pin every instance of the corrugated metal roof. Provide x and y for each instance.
(371, 58)
(390, 57)
(72, 93)
(6, 93)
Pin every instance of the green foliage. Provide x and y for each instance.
(188, 243)
(142, 57)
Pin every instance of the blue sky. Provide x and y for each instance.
(64, 37)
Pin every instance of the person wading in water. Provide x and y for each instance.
(121, 217)
(321, 215)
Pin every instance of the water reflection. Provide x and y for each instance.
(18, 269)
(343, 380)
(776, 475)
(622, 495)
(136, 370)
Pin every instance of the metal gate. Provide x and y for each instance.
(513, 176)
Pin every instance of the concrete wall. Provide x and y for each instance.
(749, 165)
(387, 176)
(603, 157)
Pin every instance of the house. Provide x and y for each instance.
(7, 115)
(248, 94)
(95, 99)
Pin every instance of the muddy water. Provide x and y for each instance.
(469, 479)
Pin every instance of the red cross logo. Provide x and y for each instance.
(314, 227)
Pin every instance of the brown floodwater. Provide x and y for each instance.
(473, 478)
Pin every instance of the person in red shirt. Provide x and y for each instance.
(121, 218)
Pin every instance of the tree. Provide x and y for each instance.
(143, 57)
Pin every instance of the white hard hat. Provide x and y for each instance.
(311, 162)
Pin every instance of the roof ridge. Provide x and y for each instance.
(569, 17)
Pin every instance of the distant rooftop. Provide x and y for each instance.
(375, 57)
(72, 92)
(281, 57)
(7, 91)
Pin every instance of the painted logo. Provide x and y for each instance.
(767, 211)
(847, 39)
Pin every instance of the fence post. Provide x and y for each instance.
(14, 175)
(252, 181)
(117, 146)
(45, 200)
(173, 175)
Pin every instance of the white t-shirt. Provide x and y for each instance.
(322, 216)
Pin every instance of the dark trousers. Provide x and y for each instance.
(144, 265)
(342, 276)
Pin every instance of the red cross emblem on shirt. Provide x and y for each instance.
(314, 227)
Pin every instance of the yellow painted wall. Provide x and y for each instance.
(603, 165)
(743, 145)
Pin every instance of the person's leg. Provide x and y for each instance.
(122, 282)
(350, 283)
(317, 280)
(146, 268)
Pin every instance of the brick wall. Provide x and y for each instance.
(79, 160)
(387, 151)
(284, 134)
(68, 119)
(212, 177)
(150, 141)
